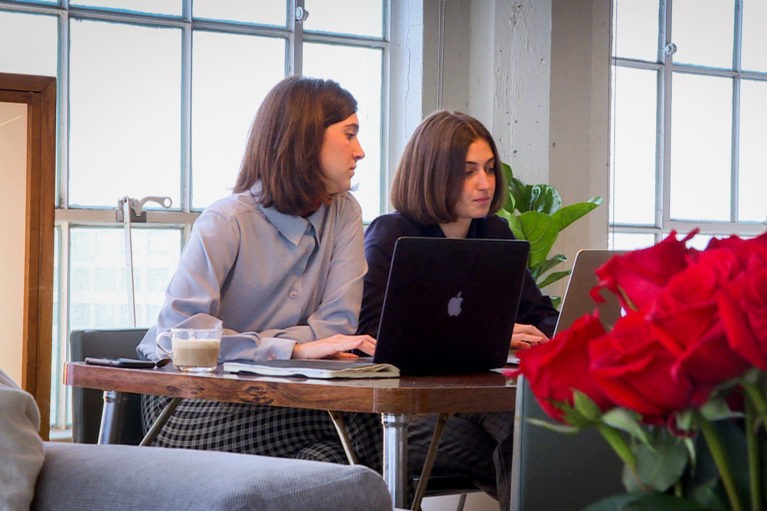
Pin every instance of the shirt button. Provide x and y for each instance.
(293, 294)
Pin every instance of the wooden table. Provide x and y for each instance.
(394, 398)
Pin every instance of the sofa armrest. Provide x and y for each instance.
(123, 477)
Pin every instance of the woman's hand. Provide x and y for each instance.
(526, 336)
(336, 346)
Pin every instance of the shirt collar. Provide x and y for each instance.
(293, 227)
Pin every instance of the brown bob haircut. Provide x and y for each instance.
(430, 176)
(285, 140)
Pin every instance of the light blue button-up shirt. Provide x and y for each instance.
(269, 279)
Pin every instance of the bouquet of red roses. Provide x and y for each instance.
(679, 382)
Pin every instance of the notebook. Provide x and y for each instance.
(315, 368)
(450, 304)
(577, 300)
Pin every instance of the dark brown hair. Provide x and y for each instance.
(430, 176)
(285, 140)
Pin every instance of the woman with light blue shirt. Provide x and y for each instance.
(279, 266)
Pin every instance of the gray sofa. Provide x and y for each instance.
(44, 476)
(122, 477)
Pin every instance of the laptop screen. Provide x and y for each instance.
(450, 304)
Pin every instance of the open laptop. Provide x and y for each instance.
(450, 304)
(583, 468)
(577, 300)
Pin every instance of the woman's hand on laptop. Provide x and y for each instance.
(526, 336)
(336, 346)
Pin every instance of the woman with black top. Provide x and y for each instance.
(448, 185)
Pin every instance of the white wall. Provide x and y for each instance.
(13, 173)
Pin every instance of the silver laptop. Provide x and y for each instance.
(577, 300)
(450, 304)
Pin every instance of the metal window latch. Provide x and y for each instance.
(669, 50)
(136, 206)
(301, 14)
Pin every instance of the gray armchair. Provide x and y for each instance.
(132, 478)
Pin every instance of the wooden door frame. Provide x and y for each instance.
(39, 93)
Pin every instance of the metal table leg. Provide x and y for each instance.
(431, 454)
(112, 417)
(343, 435)
(395, 456)
(160, 421)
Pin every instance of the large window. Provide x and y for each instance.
(688, 119)
(155, 101)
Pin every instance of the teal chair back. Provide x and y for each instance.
(88, 403)
(558, 471)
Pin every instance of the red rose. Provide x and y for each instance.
(634, 369)
(743, 308)
(743, 249)
(637, 277)
(557, 367)
(685, 317)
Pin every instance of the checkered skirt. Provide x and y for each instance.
(265, 430)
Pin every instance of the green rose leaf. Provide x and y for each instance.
(586, 406)
(662, 465)
(645, 501)
(628, 421)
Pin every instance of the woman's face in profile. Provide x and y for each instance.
(340, 152)
(479, 182)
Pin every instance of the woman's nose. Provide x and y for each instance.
(359, 153)
(483, 179)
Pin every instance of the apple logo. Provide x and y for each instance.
(454, 305)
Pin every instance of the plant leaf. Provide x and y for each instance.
(628, 421)
(551, 278)
(586, 406)
(540, 230)
(554, 426)
(662, 465)
(646, 501)
(544, 199)
(569, 214)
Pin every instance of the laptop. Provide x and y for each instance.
(450, 304)
(577, 300)
(582, 467)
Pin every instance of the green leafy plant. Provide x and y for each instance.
(535, 213)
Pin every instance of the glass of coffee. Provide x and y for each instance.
(193, 350)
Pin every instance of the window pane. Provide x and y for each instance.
(124, 97)
(171, 7)
(701, 121)
(636, 29)
(345, 17)
(359, 71)
(227, 89)
(630, 241)
(754, 35)
(34, 38)
(703, 32)
(271, 12)
(753, 151)
(99, 290)
(634, 132)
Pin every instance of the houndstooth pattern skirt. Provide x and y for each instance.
(265, 430)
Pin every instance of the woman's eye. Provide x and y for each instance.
(490, 170)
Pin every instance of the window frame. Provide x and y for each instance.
(66, 217)
(665, 68)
